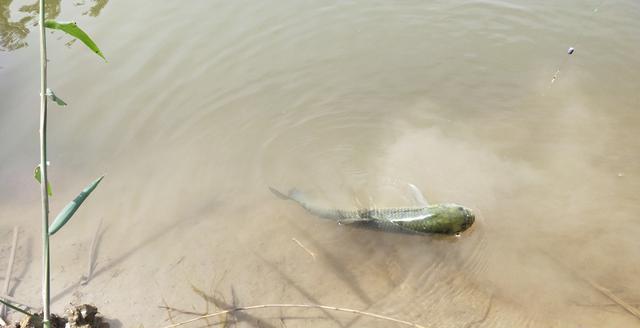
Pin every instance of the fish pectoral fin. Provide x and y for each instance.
(418, 198)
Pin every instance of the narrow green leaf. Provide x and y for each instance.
(67, 212)
(55, 98)
(13, 307)
(72, 29)
(36, 174)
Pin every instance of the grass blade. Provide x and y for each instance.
(67, 212)
(36, 175)
(72, 29)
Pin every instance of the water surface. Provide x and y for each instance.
(202, 105)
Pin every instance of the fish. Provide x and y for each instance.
(446, 218)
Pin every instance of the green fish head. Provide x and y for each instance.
(452, 218)
(469, 219)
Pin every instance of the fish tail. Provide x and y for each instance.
(296, 195)
(278, 193)
(293, 194)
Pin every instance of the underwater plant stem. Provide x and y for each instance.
(308, 306)
(43, 170)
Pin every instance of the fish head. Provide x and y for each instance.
(468, 218)
(453, 218)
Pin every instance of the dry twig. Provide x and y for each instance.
(307, 306)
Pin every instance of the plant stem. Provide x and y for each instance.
(43, 170)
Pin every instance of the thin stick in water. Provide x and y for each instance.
(305, 249)
(307, 306)
(14, 307)
(92, 255)
(166, 306)
(15, 301)
(7, 279)
(234, 304)
(604, 291)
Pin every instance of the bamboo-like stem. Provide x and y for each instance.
(307, 306)
(43, 171)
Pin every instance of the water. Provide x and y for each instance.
(203, 105)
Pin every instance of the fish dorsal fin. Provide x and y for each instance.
(418, 198)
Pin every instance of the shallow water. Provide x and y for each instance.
(202, 106)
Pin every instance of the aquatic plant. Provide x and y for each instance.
(40, 173)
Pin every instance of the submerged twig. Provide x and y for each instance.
(218, 300)
(13, 307)
(305, 249)
(604, 291)
(7, 279)
(487, 310)
(15, 301)
(234, 304)
(166, 307)
(307, 306)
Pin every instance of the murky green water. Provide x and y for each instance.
(202, 105)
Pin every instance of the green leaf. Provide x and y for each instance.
(13, 307)
(72, 29)
(67, 212)
(36, 174)
(55, 98)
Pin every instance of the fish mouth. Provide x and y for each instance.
(469, 219)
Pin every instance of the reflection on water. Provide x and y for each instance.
(348, 101)
(16, 20)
